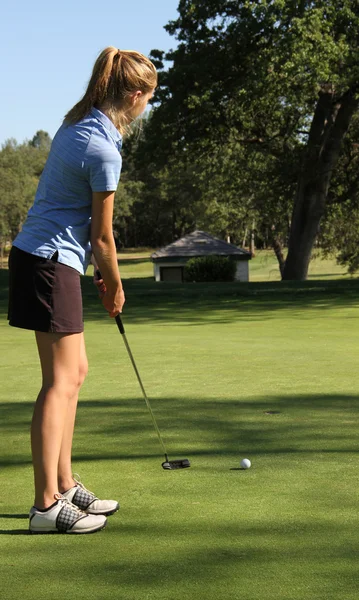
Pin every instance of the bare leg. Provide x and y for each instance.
(60, 364)
(65, 479)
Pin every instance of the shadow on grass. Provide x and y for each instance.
(254, 558)
(210, 546)
(199, 429)
(148, 301)
(14, 516)
(14, 532)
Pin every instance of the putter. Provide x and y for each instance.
(168, 465)
(182, 463)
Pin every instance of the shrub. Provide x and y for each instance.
(210, 268)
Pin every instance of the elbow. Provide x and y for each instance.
(100, 242)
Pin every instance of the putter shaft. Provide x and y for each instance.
(122, 331)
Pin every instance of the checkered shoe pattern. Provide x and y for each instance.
(83, 497)
(68, 516)
(88, 502)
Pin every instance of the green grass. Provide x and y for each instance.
(262, 267)
(265, 370)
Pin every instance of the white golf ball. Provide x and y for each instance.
(246, 463)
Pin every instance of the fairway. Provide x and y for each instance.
(265, 371)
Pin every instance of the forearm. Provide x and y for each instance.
(104, 251)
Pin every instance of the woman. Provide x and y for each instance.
(71, 218)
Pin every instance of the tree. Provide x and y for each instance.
(20, 168)
(155, 202)
(41, 140)
(278, 77)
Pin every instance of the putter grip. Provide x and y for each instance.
(120, 324)
(118, 318)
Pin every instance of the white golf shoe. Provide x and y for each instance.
(88, 502)
(64, 517)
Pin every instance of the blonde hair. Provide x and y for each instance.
(116, 74)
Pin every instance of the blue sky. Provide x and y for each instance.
(47, 51)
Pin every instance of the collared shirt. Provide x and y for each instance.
(84, 158)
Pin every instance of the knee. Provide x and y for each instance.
(64, 388)
(72, 383)
(83, 370)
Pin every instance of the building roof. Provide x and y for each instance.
(199, 243)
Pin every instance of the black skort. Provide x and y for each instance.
(44, 295)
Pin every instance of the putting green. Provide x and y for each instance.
(261, 371)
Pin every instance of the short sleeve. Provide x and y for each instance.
(104, 164)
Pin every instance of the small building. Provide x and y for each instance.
(169, 262)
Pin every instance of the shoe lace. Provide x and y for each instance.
(66, 501)
(81, 485)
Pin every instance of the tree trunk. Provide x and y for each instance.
(244, 238)
(252, 241)
(174, 232)
(303, 233)
(329, 126)
(278, 251)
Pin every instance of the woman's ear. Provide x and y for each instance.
(135, 97)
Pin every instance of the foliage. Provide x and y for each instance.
(210, 268)
(41, 140)
(339, 234)
(246, 81)
(20, 168)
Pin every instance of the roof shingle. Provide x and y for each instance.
(198, 243)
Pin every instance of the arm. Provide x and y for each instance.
(104, 250)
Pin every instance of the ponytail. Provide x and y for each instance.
(116, 74)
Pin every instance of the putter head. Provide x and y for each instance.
(170, 465)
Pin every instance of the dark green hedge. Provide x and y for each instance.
(210, 268)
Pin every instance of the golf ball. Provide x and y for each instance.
(245, 463)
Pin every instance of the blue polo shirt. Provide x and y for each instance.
(83, 158)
